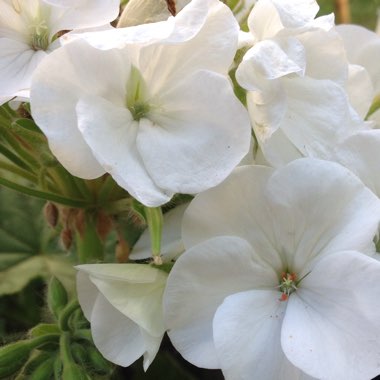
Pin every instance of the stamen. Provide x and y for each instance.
(39, 35)
(287, 285)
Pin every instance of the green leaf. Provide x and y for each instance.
(13, 279)
(28, 247)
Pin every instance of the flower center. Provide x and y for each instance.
(137, 95)
(288, 284)
(39, 35)
(36, 21)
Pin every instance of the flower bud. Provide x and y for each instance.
(79, 353)
(33, 363)
(73, 371)
(66, 238)
(44, 371)
(13, 357)
(51, 214)
(97, 362)
(57, 296)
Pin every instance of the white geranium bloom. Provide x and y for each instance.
(28, 30)
(160, 117)
(123, 302)
(277, 282)
(295, 74)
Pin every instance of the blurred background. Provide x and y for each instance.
(363, 12)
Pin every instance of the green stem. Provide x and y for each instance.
(18, 171)
(63, 180)
(64, 345)
(106, 189)
(13, 158)
(154, 220)
(19, 149)
(66, 313)
(44, 195)
(90, 247)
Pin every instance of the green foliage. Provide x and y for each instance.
(363, 12)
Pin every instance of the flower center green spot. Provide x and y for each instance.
(137, 95)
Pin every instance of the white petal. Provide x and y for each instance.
(111, 133)
(84, 14)
(59, 82)
(360, 89)
(215, 44)
(152, 345)
(117, 337)
(323, 208)
(17, 64)
(363, 48)
(247, 332)
(268, 17)
(246, 214)
(87, 293)
(201, 134)
(199, 281)
(333, 319)
(270, 60)
(325, 55)
(171, 244)
(296, 13)
(139, 301)
(361, 154)
(318, 116)
(264, 21)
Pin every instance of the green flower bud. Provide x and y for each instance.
(57, 367)
(97, 362)
(57, 296)
(13, 357)
(79, 354)
(44, 371)
(73, 371)
(34, 362)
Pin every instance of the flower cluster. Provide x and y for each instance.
(271, 271)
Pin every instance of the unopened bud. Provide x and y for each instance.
(73, 371)
(79, 353)
(100, 365)
(66, 238)
(104, 224)
(57, 297)
(13, 357)
(44, 371)
(51, 214)
(122, 251)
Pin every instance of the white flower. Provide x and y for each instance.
(161, 116)
(277, 282)
(123, 302)
(295, 74)
(28, 31)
